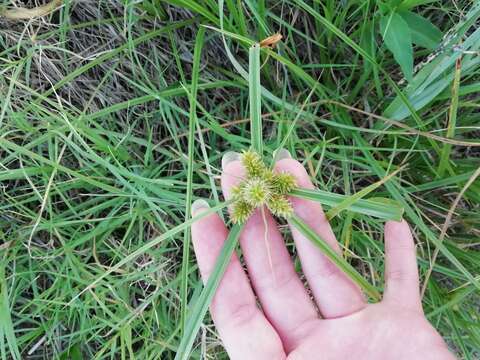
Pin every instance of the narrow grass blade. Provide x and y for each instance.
(350, 200)
(191, 145)
(6, 325)
(452, 119)
(255, 98)
(294, 122)
(309, 233)
(385, 209)
(201, 305)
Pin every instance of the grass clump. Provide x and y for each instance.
(96, 168)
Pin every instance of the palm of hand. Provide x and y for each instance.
(379, 331)
(289, 325)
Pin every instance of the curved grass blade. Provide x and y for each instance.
(201, 305)
(308, 232)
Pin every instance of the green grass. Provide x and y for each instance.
(115, 115)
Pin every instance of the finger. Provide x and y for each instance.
(284, 299)
(335, 294)
(401, 273)
(245, 331)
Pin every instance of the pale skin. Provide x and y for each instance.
(335, 321)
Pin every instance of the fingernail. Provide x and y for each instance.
(198, 206)
(228, 157)
(281, 154)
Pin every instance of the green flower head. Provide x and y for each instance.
(241, 211)
(280, 206)
(261, 187)
(253, 163)
(256, 191)
(284, 183)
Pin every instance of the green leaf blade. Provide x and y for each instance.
(380, 208)
(191, 145)
(398, 39)
(255, 98)
(424, 33)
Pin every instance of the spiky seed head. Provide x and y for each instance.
(256, 191)
(269, 176)
(280, 206)
(261, 187)
(241, 211)
(253, 163)
(284, 183)
(236, 192)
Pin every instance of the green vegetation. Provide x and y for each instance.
(114, 116)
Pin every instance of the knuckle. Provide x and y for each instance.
(399, 275)
(283, 277)
(328, 270)
(402, 247)
(242, 315)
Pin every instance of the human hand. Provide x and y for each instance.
(340, 323)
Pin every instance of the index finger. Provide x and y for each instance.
(401, 266)
(245, 331)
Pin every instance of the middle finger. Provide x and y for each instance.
(283, 297)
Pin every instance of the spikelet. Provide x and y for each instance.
(280, 206)
(236, 192)
(261, 187)
(256, 192)
(241, 211)
(269, 176)
(284, 183)
(253, 164)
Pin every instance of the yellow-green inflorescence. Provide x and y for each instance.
(260, 187)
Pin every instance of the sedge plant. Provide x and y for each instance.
(263, 188)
